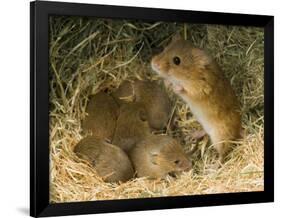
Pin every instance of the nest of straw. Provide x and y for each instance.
(88, 55)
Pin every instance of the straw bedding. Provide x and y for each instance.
(88, 55)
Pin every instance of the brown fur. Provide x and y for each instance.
(152, 96)
(159, 155)
(201, 83)
(131, 127)
(102, 116)
(110, 162)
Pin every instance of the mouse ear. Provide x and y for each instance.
(201, 57)
(142, 115)
(153, 157)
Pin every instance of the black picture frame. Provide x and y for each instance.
(39, 119)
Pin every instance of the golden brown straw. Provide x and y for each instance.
(89, 55)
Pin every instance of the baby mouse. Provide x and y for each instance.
(102, 116)
(152, 96)
(131, 126)
(196, 77)
(159, 155)
(156, 101)
(110, 162)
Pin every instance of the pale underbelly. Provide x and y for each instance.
(201, 115)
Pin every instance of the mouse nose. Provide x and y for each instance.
(154, 62)
(155, 65)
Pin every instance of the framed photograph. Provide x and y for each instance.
(142, 109)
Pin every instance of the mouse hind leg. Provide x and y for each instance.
(223, 149)
(222, 145)
(223, 139)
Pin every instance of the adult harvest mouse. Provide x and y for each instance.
(196, 77)
(131, 126)
(152, 96)
(102, 116)
(159, 155)
(110, 162)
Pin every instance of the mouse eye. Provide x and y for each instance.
(176, 60)
(176, 161)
